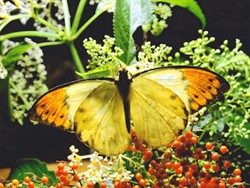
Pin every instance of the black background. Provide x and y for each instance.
(226, 19)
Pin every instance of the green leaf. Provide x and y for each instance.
(34, 166)
(14, 54)
(128, 16)
(190, 5)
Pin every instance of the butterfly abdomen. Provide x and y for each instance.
(123, 85)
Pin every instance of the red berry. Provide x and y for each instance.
(31, 185)
(182, 181)
(209, 145)
(136, 186)
(117, 184)
(237, 171)
(44, 179)
(222, 184)
(179, 170)
(238, 178)
(15, 182)
(76, 177)
(133, 133)
(194, 140)
(64, 172)
(176, 165)
(151, 171)
(27, 179)
(216, 167)
(168, 165)
(59, 185)
(60, 166)
(63, 178)
(207, 165)
(90, 184)
(223, 149)
(227, 164)
(133, 149)
(103, 185)
(149, 153)
(143, 182)
(74, 166)
(188, 175)
(231, 180)
(138, 176)
(215, 156)
(189, 134)
(176, 144)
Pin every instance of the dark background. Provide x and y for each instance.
(226, 19)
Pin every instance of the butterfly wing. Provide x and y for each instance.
(93, 109)
(161, 100)
(100, 121)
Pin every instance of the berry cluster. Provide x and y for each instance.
(67, 174)
(185, 163)
(30, 181)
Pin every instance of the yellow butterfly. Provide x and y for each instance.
(158, 101)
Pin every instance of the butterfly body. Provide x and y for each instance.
(158, 102)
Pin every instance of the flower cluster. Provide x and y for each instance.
(108, 5)
(27, 80)
(161, 13)
(102, 54)
(26, 9)
(155, 54)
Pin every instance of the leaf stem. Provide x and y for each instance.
(78, 16)
(95, 16)
(29, 34)
(6, 21)
(66, 17)
(44, 44)
(76, 58)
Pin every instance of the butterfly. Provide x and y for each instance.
(157, 102)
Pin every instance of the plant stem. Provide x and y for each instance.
(29, 34)
(45, 23)
(78, 33)
(78, 16)
(76, 58)
(44, 44)
(6, 21)
(66, 17)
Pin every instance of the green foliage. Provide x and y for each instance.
(190, 5)
(233, 114)
(128, 16)
(30, 167)
(13, 55)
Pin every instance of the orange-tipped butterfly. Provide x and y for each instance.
(157, 101)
